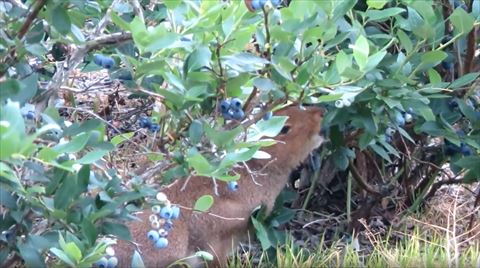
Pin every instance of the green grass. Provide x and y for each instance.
(416, 249)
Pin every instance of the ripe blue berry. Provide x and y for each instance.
(262, 3)
(154, 127)
(175, 212)
(98, 59)
(466, 150)
(256, 4)
(390, 131)
(236, 104)
(447, 65)
(238, 114)
(153, 235)
(267, 116)
(102, 263)
(145, 122)
(107, 62)
(166, 212)
(112, 262)
(30, 115)
(388, 138)
(224, 106)
(168, 225)
(232, 186)
(453, 104)
(162, 242)
(228, 115)
(275, 3)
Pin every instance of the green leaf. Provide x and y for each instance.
(378, 15)
(462, 21)
(61, 20)
(117, 229)
(222, 137)
(73, 146)
(269, 128)
(7, 173)
(121, 138)
(62, 256)
(30, 255)
(204, 203)
(239, 156)
(361, 51)
(91, 157)
(73, 252)
(469, 162)
(197, 59)
(195, 131)
(342, 61)
(434, 76)
(405, 41)
(380, 151)
(261, 233)
(199, 163)
(378, 4)
(204, 255)
(137, 260)
(172, 4)
(374, 60)
(464, 80)
(434, 57)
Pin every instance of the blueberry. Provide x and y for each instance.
(153, 235)
(154, 127)
(98, 59)
(466, 150)
(450, 148)
(175, 212)
(256, 4)
(410, 110)
(162, 242)
(388, 138)
(107, 62)
(408, 117)
(238, 114)
(112, 262)
(236, 104)
(399, 119)
(224, 106)
(275, 3)
(390, 131)
(232, 186)
(144, 122)
(102, 263)
(228, 115)
(262, 3)
(166, 212)
(267, 116)
(447, 65)
(453, 104)
(30, 115)
(168, 225)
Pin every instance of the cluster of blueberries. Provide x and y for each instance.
(146, 122)
(259, 4)
(232, 109)
(110, 261)
(161, 221)
(404, 117)
(104, 61)
(400, 119)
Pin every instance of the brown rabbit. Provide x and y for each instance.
(227, 222)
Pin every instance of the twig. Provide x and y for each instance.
(214, 215)
(215, 186)
(185, 184)
(250, 172)
(361, 181)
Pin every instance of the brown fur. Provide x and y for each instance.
(200, 231)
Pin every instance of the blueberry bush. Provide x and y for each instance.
(399, 79)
